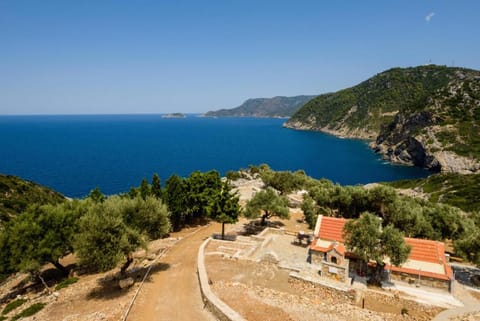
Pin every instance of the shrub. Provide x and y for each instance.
(233, 175)
(31, 310)
(65, 283)
(13, 305)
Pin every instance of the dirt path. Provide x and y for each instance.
(174, 294)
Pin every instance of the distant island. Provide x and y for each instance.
(279, 106)
(427, 116)
(174, 115)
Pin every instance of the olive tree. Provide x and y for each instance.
(42, 234)
(365, 238)
(111, 231)
(265, 204)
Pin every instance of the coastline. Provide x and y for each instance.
(244, 116)
(366, 137)
(442, 161)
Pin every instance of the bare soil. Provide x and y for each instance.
(175, 293)
(475, 294)
(171, 286)
(261, 291)
(258, 291)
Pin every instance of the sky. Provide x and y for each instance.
(121, 57)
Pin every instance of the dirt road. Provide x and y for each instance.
(174, 293)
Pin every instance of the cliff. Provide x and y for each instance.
(427, 116)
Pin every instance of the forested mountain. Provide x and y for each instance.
(264, 107)
(427, 116)
(17, 194)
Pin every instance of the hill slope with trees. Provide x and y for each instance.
(17, 194)
(264, 107)
(428, 116)
(450, 188)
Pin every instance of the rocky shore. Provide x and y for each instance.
(341, 132)
(403, 149)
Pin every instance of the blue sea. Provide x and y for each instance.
(74, 154)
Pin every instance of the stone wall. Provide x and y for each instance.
(334, 271)
(216, 306)
(424, 281)
(329, 269)
(316, 257)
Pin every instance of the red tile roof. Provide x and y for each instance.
(339, 247)
(426, 250)
(331, 228)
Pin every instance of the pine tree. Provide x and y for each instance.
(145, 189)
(227, 208)
(156, 186)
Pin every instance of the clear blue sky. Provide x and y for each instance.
(99, 56)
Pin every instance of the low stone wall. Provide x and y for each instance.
(424, 281)
(270, 230)
(335, 272)
(339, 289)
(219, 308)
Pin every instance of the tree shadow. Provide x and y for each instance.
(301, 244)
(192, 223)
(108, 287)
(275, 224)
(138, 274)
(21, 288)
(51, 276)
(226, 237)
(255, 227)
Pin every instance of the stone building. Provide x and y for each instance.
(426, 264)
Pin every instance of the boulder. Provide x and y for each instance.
(126, 283)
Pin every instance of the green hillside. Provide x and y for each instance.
(17, 194)
(427, 116)
(264, 107)
(453, 189)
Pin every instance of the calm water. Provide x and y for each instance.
(74, 154)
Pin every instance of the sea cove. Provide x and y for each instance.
(74, 154)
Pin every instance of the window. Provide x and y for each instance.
(333, 259)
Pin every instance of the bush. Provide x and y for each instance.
(13, 305)
(65, 283)
(233, 175)
(31, 310)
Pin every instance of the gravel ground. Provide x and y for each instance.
(262, 291)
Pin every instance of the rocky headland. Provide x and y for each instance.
(427, 116)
